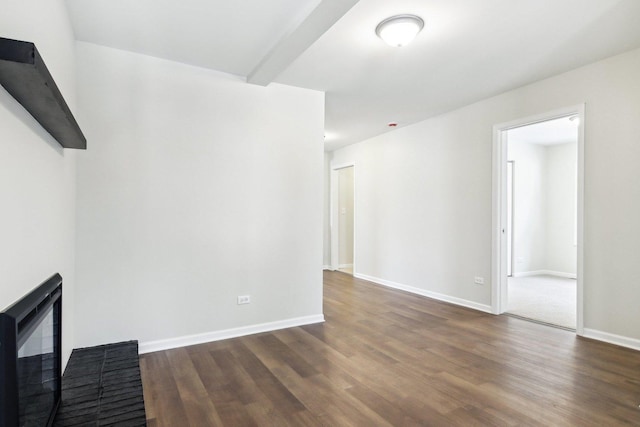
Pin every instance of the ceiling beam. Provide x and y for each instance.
(327, 13)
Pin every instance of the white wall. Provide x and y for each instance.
(561, 217)
(424, 193)
(37, 177)
(198, 188)
(544, 207)
(530, 206)
(345, 215)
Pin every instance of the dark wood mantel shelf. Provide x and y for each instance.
(25, 76)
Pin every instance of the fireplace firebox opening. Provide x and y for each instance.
(30, 357)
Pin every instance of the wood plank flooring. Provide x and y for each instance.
(385, 357)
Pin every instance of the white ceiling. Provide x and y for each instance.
(468, 51)
(230, 36)
(551, 132)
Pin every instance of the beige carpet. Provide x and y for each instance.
(548, 299)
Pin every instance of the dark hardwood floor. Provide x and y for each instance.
(386, 357)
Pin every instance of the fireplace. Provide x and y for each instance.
(30, 357)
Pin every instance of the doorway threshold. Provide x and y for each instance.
(540, 322)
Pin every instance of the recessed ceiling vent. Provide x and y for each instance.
(25, 76)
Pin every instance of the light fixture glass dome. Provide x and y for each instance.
(399, 30)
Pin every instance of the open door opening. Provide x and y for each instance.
(538, 170)
(345, 226)
(541, 238)
(343, 218)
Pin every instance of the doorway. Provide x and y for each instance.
(542, 285)
(538, 170)
(343, 218)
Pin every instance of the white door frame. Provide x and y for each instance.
(510, 259)
(499, 204)
(335, 215)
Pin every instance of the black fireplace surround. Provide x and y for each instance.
(30, 357)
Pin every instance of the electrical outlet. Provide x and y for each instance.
(244, 299)
(478, 280)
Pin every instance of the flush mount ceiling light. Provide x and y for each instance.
(399, 30)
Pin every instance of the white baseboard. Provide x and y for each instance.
(612, 338)
(547, 272)
(166, 344)
(529, 273)
(345, 266)
(424, 293)
(562, 274)
(326, 267)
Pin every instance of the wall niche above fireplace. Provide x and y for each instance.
(25, 76)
